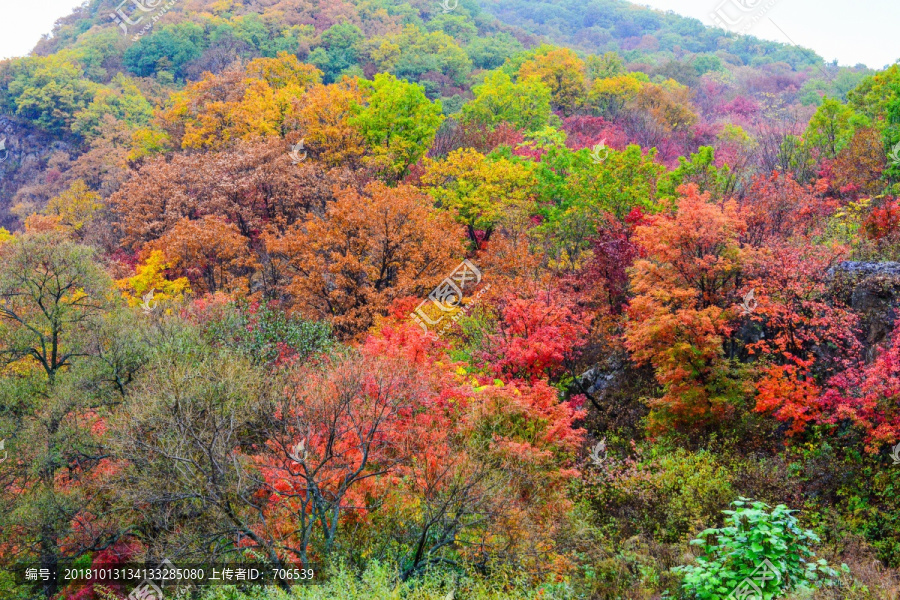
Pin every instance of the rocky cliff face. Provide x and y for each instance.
(24, 155)
(872, 289)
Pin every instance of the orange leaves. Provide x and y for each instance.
(368, 249)
(791, 394)
(693, 256)
(212, 253)
(679, 317)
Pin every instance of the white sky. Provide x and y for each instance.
(852, 31)
(23, 22)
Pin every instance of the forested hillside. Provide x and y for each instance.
(446, 300)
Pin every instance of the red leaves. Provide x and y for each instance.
(536, 336)
(679, 316)
(796, 308)
(883, 222)
(869, 397)
(778, 209)
(527, 420)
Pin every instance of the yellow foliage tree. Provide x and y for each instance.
(481, 191)
(562, 71)
(610, 95)
(260, 100)
(150, 276)
(324, 123)
(75, 207)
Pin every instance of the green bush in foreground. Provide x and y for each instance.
(763, 552)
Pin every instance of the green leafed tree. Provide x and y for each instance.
(525, 104)
(831, 128)
(398, 122)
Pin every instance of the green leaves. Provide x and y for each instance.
(525, 105)
(766, 548)
(398, 122)
(48, 90)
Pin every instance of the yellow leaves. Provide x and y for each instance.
(386, 55)
(258, 101)
(611, 94)
(284, 72)
(562, 72)
(668, 103)
(147, 142)
(480, 190)
(76, 296)
(324, 122)
(75, 207)
(150, 276)
(221, 6)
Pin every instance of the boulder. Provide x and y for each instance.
(872, 289)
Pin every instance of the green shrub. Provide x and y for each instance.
(669, 494)
(266, 334)
(763, 551)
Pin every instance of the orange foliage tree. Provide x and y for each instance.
(368, 249)
(253, 185)
(679, 318)
(211, 253)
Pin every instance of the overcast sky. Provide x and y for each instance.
(851, 31)
(23, 22)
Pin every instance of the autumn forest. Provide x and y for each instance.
(429, 299)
